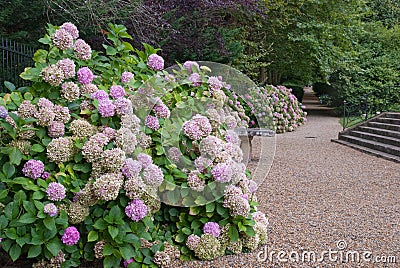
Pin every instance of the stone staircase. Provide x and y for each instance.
(379, 136)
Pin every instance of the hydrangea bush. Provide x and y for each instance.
(111, 157)
(274, 107)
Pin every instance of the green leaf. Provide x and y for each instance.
(11, 233)
(29, 207)
(233, 233)
(210, 207)
(200, 200)
(93, 236)
(15, 156)
(8, 170)
(42, 183)
(27, 218)
(195, 225)
(186, 231)
(15, 252)
(222, 210)
(111, 261)
(45, 40)
(127, 252)
(10, 86)
(40, 56)
(37, 195)
(173, 212)
(28, 96)
(37, 148)
(34, 251)
(108, 250)
(3, 222)
(250, 231)
(21, 241)
(113, 231)
(54, 246)
(49, 223)
(111, 51)
(100, 224)
(180, 238)
(242, 228)
(3, 194)
(85, 168)
(19, 197)
(115, 212)
(134, 240)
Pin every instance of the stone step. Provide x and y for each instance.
(387, 120)
(369, 151)
(393, 115)
(376, 137)
(380, 131)
(379, 146)
(384, 126)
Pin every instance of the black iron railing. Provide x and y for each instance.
(14, 57)
(360, 109)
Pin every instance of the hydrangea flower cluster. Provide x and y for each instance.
(85, 76)
(275, 107)
(155, 62)
(113, 146)
(212, 228)
(126, 77)
(82, 50)
(3, 112)
(197, 128)
(56, 191)
(71, 236)
(136, 210)
(50, 209)
(33, 169)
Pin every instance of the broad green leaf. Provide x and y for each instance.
(8, 170)
(93, 236)
(15, 252)
(100, 224)
(27, 218)
(54, 246)
(210, 207)
(15, 156)
(34, 251)
(10, 86)
(49, 223)
(113, 231)
(108, 250)
(233, 233)
(37, 148)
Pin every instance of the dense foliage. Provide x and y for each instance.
(108, 156)
(351, 45)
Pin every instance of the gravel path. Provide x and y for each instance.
(318, 193)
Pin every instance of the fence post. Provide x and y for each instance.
(344, 114)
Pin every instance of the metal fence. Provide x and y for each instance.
(14, 58)
(360, 109)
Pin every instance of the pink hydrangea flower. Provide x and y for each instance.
(136, 210)
(33, 169)
(152, 122)
(71, 236)
(155, 62)
(212, 228)
(85, 76)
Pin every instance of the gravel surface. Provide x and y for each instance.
(318, 196)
